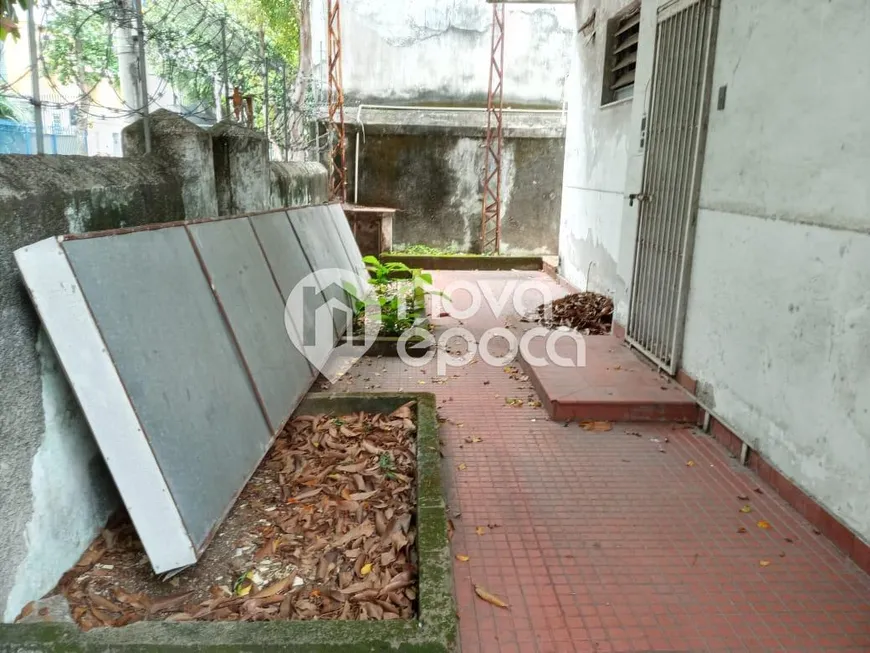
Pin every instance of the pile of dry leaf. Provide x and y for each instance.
(324, 530)
(587, 312)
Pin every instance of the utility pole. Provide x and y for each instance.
(36, 100)
(224, 66)
(143, 76)
(128, 62)
(265, 84)
(284, 109)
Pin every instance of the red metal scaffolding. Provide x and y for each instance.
(490, 228)
(338, 152)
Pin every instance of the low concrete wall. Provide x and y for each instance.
(55, 493)
(295, 184)
(429, 165)
(241, 168)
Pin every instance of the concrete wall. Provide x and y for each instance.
(55, 493)
(432, 174)
(241, 169)
(778, 320)
(296, 184)
(778, 316)
(436, 52)
(596, 156)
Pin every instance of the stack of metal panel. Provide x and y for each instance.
(175, 341)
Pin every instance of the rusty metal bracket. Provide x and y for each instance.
(490, 228)
(338, 151)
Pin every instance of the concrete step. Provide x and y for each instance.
(615, 384)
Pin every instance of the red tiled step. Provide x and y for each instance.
(615, 384)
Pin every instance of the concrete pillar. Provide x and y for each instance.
(241, 169)
(187, 150)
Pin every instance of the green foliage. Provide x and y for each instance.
(77, 44)
(7, 111)
(9, 19)
(427, 250)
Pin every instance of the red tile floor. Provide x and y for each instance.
(626, 540)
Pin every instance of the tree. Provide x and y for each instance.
(77, 49)
(9, 18)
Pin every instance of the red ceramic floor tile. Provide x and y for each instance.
(623, 540)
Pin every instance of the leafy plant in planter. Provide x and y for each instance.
(399, 292)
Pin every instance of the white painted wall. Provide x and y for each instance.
(778, 321)
(419, 51)
(596, 153)
(778, 317)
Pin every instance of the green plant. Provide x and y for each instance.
(399, 294)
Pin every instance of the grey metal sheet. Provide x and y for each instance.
(174, 354)
(325, 252)
(104, 401)
(288, 264)
(254, 308)
(345, 235)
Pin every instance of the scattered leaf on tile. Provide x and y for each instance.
(789, 540)
(743, 497)
(489, 598)
(764, 563)
(816, 531)
(758, 490)
(462, 467)
(480, 530)
(690, 463)
(595, 426)
(764, 524)
(462, 558)
(473, 440)
(512, 401)
(742, 530)
(746, 509)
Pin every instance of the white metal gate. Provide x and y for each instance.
(675, 131)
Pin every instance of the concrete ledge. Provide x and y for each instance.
(465, 262)
(434, 631)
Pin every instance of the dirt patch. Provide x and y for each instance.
(325, 529)
(587, 312)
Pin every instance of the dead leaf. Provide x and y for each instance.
(490, 598)
(690, 463)
(462, 558)
(166, 603)
(746, 509)
(764, 524)
(596, 427)
(743, 497)
(462, 467)
(480, 530)
(366, 569)
(764, 563)
(742, 530)
(278, 587)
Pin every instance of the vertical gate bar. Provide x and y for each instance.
(684, 165)
(664, 188)
(711, 22)
(647, 210)
(640, 303)
(671, 202)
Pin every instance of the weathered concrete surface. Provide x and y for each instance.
(187, 149)
(293, 183)
(432, 175)
(436, 52)
(54, 491)
(241, 169)
(596, 152)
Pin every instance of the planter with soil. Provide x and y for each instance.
(465, 261)
(337, 543)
